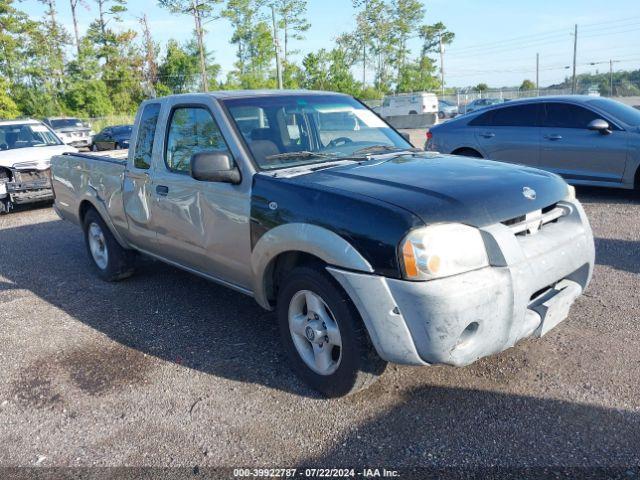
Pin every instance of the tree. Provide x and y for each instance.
(179, 70)
(527, 85)
(254, 42)
(481, 87)
(106, 9)
(293, 21)
(200, 11)
(74, 16)
(407, 16)
(151, 50)
(434, 38)
(8, 108)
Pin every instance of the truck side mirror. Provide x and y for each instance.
(214, 167)
(599, 125)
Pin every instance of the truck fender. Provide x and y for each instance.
(301, 237)
(97, 203)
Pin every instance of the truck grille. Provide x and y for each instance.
(533, 222)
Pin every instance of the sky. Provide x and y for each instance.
(496, 40)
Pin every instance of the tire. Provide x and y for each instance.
(94, 148)
(440, 115)
(117, 146)
(468, 152)
(355, 364)
(110, 261)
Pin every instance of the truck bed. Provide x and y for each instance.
(92, 175)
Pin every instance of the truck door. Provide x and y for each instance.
(201, 225)
(137, 185)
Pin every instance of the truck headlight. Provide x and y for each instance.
(441, 251)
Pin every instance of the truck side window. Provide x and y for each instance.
(192, 130)
(146, 134)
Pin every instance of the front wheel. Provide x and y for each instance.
(110, 261)
(323, 334)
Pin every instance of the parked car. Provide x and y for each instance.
(480, 103)
(71, 131)
(587, 140)
(369, 250)
(112, 138)
(447, 109)
(26, 148)
(409, 104)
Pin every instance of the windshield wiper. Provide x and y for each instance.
(384, 148)
(301, 154)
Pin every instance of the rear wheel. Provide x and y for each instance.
(110, 261)
(323, 334)
(94, 148)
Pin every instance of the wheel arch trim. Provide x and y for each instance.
(305, 238)
(91, 197)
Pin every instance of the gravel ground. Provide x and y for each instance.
(165, 369)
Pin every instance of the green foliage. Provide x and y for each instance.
(8, 108)
(527, 85)
(481, 87)
(112, 69)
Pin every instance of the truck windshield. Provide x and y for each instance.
(26, 135)
(293, 130)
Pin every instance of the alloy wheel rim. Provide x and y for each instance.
(98, 246)
(315, 332)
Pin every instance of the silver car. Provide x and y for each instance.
(587, 140)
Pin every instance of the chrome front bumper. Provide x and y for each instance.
(528, 289)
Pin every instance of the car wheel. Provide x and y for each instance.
(117, 146)
(440, 115)
(94, 148)
(323, 335)
(110, 261)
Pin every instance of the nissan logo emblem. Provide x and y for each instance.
(529, 193)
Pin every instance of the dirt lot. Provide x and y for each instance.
(167, 369)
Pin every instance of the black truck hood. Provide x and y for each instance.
(446, 188)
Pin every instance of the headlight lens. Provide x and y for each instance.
(441, 251)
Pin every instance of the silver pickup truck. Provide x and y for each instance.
(369, 250)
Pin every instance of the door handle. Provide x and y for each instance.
(162, 190)
(488, 134)
(553, 137)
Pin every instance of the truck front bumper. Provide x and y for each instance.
(528, 289)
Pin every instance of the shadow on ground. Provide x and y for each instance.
(161, 311)
(439, 427)
(620, 254)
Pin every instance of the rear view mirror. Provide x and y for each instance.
(599, 125)
(214, 167)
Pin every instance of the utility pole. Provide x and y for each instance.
(611, 78)
(276, 45)
(441, 63)
(537, 74)
(575, 56)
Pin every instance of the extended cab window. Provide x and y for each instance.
(515, 116)
(192, 130)
(146, 134)
(565, 115)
